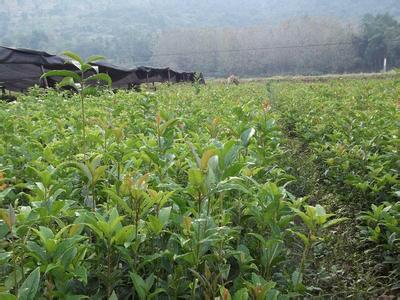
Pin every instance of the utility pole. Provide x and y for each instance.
(384, 65)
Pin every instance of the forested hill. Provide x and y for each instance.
(198, 13)
(130, 31)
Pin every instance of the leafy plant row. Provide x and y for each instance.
(352, 128)
(167, 195)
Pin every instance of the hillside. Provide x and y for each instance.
(128, 32)
(163, 14)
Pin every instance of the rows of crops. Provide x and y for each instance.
(182, 193)
(352, 128)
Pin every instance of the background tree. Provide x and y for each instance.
(379, 38)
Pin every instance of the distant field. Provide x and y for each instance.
(327, 77)
(276, 188)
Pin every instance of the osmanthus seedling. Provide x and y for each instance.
(93, 171)
(85, 85)
(315, 218)
(145, 236)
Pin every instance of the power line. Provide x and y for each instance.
(246, 50)
(253, 49)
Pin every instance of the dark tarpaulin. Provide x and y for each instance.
(21, 69)
(121, 77)
(32, 57)
(190, 77)
(18, 77)
(124, 77)
(149, 74)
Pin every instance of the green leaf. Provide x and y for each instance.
(246, 136)
(86, 67)
(74, 56)
(320, 210)
(225, 295)
(113, 296)
(230, 152)
(67, 81)
(89, 91)
(166, 125)
(4, 215)
(302, 237)
(45, 233)
(155, 293)
(36, 251)
(149, 282)
(241, 294)
(7, 296)
(258, 237)
(62, 73)
(204, 159)
(196, 156)
(297, 279)
(139, 284)
(123, 235)
(164, 215)
(119, 201)
(96, 229)
(48, 153)
(95, 58)
(68, 256)
(213, 164)
(98, 173)
(81, 273)
(30, 286)
(155, 224)
(196, 178)
(231, 185)
(334, 222)
(100, 77)
(81, 167)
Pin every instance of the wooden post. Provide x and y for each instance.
(46, 83)
(169, 76)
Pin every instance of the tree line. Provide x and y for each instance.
(301, 45)
(306, 45)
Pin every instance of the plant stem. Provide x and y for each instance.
(209, 205)
(221, 202)
(15, 268)
(239, 219)
(303, 259)
(94, 197)
(194, 289)
(119, 176)
(137, 216)
(199, 202)
(83, 126)
(83, 117)
(109, 273)
(105, 141)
